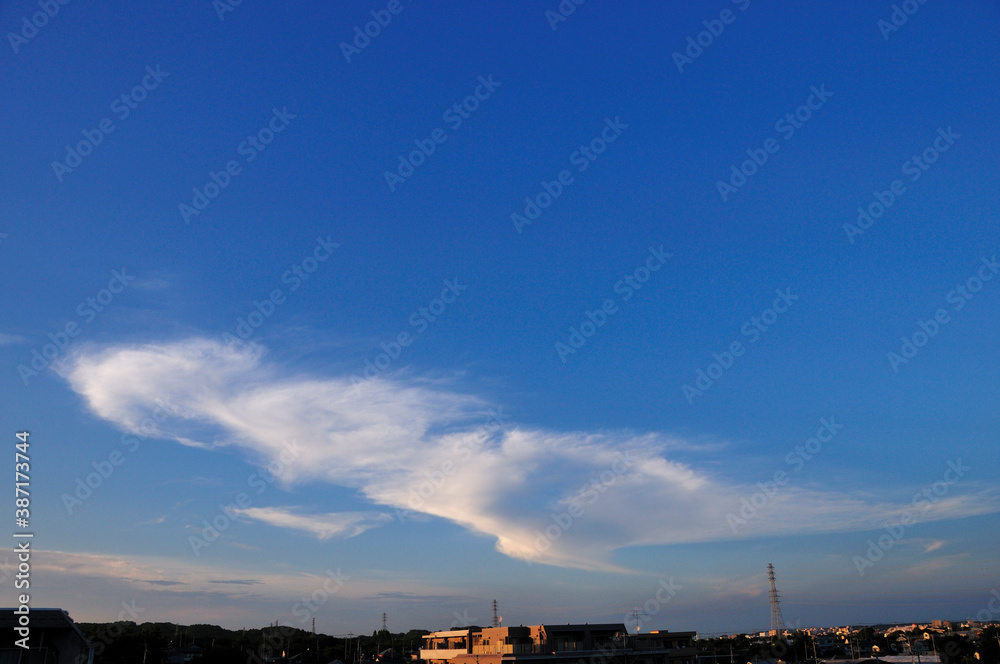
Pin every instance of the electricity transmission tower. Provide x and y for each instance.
(777, 622)
(496, 618)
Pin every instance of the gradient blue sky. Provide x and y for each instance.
(347, 497)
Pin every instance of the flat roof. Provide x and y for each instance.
(452, 632)
(584, 626)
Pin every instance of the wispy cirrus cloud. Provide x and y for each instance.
(933, 546)
(563, 498)
(323, 526)
(161, 582)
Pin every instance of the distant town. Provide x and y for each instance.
(57, 639)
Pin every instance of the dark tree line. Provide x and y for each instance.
(151, 643)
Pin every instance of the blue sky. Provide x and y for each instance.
(477, 377)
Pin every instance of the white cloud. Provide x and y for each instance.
(933, 546)
(324, 526)
(562, 498)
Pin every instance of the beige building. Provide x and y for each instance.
(607, 643)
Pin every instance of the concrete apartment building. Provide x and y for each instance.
(558, 644)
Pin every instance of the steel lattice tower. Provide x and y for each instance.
(496, 618)
(777, 622)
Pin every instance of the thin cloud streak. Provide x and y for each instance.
(12, 339)
(323, 526)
